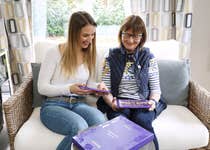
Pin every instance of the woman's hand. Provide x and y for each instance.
(152, 105)
(114, 104)
(101, 86)
(110, 100)
(75, 89)
(153, 100)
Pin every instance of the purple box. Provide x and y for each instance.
(116, 134)
(132, 103)
(93, 89)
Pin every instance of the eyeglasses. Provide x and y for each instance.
(136, 37)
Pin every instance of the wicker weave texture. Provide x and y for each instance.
(18, 109)
(199, 104)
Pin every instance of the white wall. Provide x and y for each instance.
(200, 51)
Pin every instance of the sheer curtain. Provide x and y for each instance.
(166, 19)
(16, 36)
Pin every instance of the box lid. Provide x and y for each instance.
(118, 133)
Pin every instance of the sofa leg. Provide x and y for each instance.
(11, 143)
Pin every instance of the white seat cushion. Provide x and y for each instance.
(177, 128)
(33, 135)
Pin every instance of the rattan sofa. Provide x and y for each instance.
(18, 110)
(19, 107)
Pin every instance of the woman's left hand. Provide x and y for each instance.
(152, 105)
(75, 89)
(101, 86)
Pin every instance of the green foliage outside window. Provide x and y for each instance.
(110, 14)
(58, 14)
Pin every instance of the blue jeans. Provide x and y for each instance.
(69, 118)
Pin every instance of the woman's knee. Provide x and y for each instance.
(144, 120)
(98, 118)
(91, 114)
(62, 120)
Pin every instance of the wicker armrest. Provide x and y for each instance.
(18, 108)
(199, 104)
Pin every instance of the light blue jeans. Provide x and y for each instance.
(69, 118)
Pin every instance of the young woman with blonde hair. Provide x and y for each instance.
(65, 68)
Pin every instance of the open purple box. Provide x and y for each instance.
(132, 103)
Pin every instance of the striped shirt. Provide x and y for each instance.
(128, 87)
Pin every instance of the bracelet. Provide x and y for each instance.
(154, 101)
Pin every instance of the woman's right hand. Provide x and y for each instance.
(114, 104)
(110, 100)
(75, 89)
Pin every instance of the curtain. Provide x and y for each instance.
(166, 19)
(16, 36)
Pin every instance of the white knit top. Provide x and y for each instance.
(52, 82)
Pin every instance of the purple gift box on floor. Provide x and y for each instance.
(116, 134)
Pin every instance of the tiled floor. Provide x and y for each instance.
(4, 141)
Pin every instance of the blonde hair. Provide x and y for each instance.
(69, 57)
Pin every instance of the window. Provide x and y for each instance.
(53, 22)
